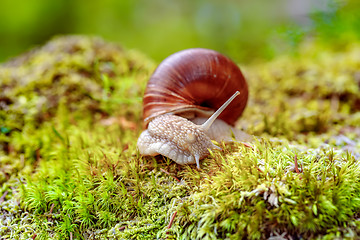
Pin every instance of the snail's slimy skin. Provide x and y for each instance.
(176, 138)
(220, 131)
(184, 141)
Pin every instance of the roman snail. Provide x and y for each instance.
(184, 90)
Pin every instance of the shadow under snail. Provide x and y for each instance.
(184, 90)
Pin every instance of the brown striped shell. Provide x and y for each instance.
(195, 82)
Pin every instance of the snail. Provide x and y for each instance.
(184, 90)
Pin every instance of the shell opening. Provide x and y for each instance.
(206, 125)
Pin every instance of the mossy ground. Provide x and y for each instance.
(70, 115)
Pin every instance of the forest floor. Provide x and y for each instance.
(70, 115)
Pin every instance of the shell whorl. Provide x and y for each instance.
(195, 80)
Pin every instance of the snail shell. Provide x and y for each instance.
(191, 84)
(195, 82)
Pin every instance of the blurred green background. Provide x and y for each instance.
(244, 30)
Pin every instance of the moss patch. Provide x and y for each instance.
(70, 116)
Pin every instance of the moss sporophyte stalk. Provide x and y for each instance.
(70, 115)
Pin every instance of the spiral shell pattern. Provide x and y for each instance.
(195, 82)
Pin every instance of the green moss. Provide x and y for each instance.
(314, 92)
(70, 116)
(256, 193)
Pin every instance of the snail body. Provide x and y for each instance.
(186, 88)
(185, 146)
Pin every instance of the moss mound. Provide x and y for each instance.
(70, 117)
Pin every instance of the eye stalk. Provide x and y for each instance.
(206, 125)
